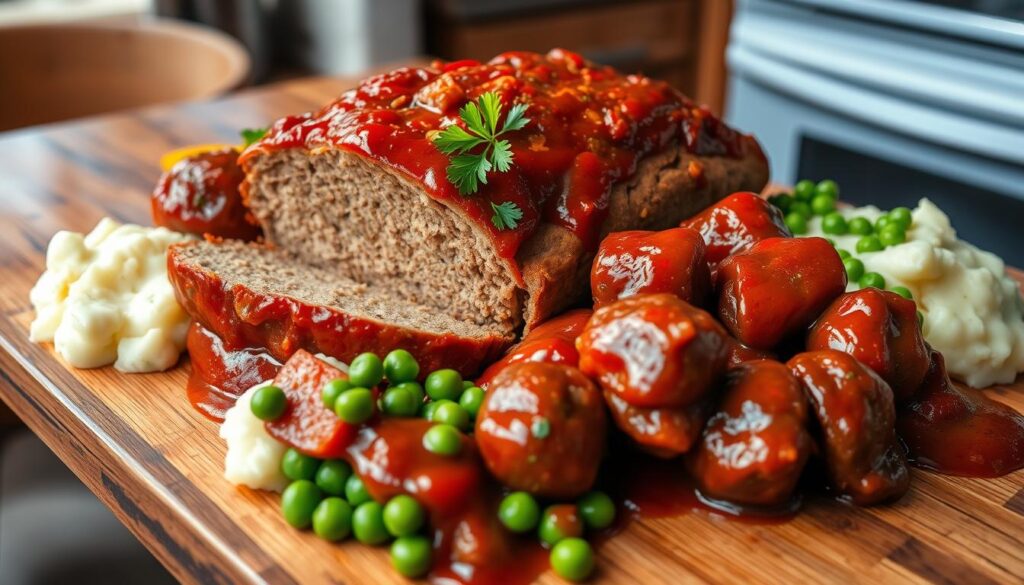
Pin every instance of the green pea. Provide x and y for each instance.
(366, 370)
(881, 222)
(354, 406)
(834, 223)
(368, 523)
(540, 428)
(450, 413)
(472, 398)
(827, 187)
(804, 190)
(823, 204)
(796, 222)
(332, 390)
(519, 512)
(295, 465)
(843, 254)
(872, 280)
(400, 366)
(801, 207)
(444, 385)
(861, 226)
(854, 269)
(298, 501)
(468, 384)
(332, 476)
(597, 510)
(902, 217)
(398, 401)
(411, 556)
(781, 201)
(555, 527)
(403, 515)
(572, 559)
(332, 519)
(869, 244)
(892, 235)
(355, 491)
(443, 439)
(413, 388)
(268, 403)
(903, 292)
(428, 408)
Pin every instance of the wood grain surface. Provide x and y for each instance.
(134, 440)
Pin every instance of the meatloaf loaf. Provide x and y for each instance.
(253, 296)
(360, 188)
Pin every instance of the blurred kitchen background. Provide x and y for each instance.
(895, 99)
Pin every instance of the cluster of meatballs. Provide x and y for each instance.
(724, 342)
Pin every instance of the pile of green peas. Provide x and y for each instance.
(807, 200)
(571, 556)
(327, 496)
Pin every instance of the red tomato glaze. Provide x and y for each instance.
(736, 223)
(200, 195)
(589, 126)
(959, 431)
(553, 341)
(219, 376)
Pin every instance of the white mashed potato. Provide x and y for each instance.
(973, 309)
(254, 457)
(105, 299)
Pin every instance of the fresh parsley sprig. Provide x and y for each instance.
(506, 215)
(251, 135)
(468, 170)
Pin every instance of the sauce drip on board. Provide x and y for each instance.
(589, 127)
(219, 376)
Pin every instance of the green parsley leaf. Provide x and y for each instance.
(470, 165)
(250, 135)
(506, 216)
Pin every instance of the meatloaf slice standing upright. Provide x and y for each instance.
(360, 187)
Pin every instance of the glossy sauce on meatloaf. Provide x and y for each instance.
(589, 127)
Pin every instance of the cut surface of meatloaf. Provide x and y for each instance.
(360, 187)
(253, 296)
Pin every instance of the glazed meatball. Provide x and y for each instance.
(739, 353)
(638, 262)
(777, 288)
(541, 429)
(880, 329)
(736, 223)
(662, 432)
(553, 341)
(755, 445)
(855, 412)
(200, 195)
(654, 351)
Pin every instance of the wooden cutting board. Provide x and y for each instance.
(134, 440)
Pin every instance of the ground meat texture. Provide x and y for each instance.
(642, 262)
(662, 432)
(755, 445)
(200, 195)
(254, 296)
(880, 329)
(654, 351)
(777, 288)
(855, 412)
(541, 429)
(736, 223)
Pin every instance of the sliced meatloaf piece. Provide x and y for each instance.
(253, 296)
(361, 189)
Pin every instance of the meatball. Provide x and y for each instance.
(200, 195)
(638, 262)
(755, 446)
(662, 432)
(553, 341)
(855, 412)
(736, 223)
(777, 288)
(880, 329)
(541, 429)
(739, 353)
(654, 351)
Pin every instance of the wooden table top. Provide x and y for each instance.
(134, 440)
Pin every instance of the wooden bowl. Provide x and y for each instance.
(60, 71)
